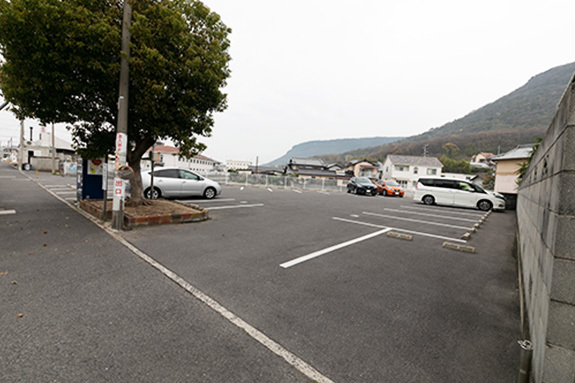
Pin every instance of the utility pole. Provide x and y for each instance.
(425, 150)
(53, 150)
(122, 128)
(21, 147)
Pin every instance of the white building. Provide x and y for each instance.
(508, 164)
(169, 156)
(237, 164)
(406, 170)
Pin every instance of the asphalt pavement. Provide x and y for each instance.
(78, 306)
(214, 301)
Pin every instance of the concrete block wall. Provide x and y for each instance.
(546, 227)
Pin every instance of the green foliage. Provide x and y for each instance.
(62, 63)
(525, 165)
(450, 149)
(455, 166)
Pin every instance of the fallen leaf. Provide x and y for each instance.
(14, 282)
(20, 315)
(45, 232)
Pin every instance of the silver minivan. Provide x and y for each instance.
(455, 192)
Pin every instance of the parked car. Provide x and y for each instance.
(175, 182)
(361, 185)
(389, 187)
(453, 192)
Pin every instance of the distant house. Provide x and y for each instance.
(406, 170)
(313, 168)
(507, 165)
(170, 156)
(482, 160)
(237, 164)
(364, 168)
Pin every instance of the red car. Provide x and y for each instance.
(389, 187)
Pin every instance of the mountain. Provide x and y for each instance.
(500, 126)
(316, 148)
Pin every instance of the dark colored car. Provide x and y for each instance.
(361, 185)
(389, 187)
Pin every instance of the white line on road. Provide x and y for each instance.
(402, 230)
(297, 191)
(437, 209)
(65, 192)
(205, 201)
(233, 207)
(290, 358)
(316, 254)
(6, 212)
(432, 215)
(416, 220)
(322, 192)
(7, 176)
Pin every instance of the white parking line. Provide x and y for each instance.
(297, 191)
(292, 359)
(322, 192)
(402, 230)
(316, 254)
(234, 206)
(65, 192)
(206, 200)
(416, 220)
(6, 212)
(7, 176)
(437, 209)
(432, 215)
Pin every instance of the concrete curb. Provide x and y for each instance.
(457, 247)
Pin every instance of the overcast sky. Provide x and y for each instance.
(307, 70)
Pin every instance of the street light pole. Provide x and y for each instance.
(122, 128)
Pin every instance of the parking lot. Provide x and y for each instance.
(320, 275)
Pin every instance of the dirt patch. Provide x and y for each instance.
(154, 207)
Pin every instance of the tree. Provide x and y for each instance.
(450, 149)
(62, 64)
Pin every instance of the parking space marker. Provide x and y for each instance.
(432, 215)
(276, 348)
(416, 220)
(402, 230)
(234, 206)
(437, 209)
(297, 191)
(316, 254)
(206, 201)
(6, 212)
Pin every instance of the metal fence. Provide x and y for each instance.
(278, 182)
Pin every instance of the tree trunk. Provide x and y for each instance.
(137, 194)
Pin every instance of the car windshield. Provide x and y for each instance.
(391, 183)
(363, 180)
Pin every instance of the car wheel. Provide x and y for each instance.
(484, 205)
(209, 193)
(348, 189)
(152, 194)
(428, 200)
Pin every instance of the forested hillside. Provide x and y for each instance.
(514, 119)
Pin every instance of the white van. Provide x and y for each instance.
(453, 192)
